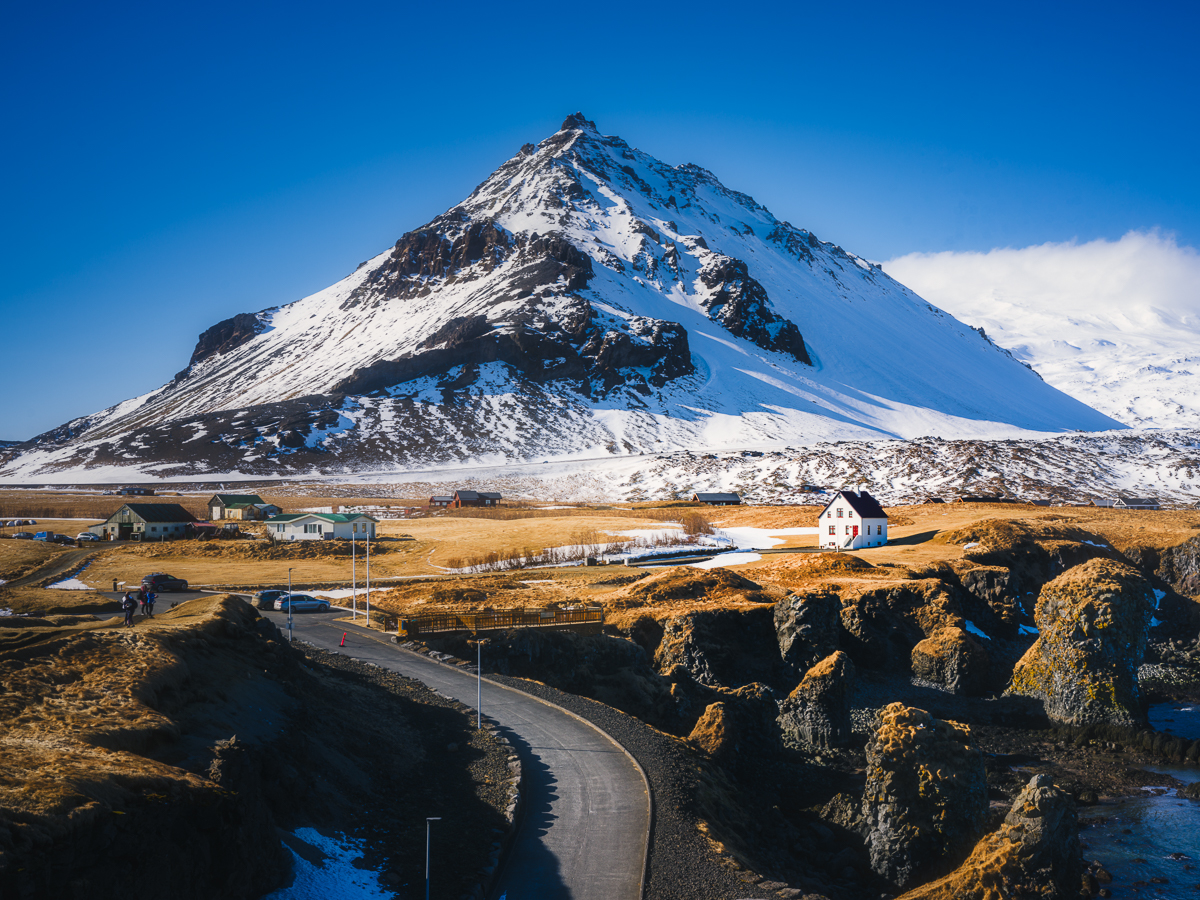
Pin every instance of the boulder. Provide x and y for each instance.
(993, 598)
(817, 712)
(807, 626)
(953, 659)
(1093, 623)
(714, 732)
(739, 728)
(926, 794)
(881, 624)
(1034, 854)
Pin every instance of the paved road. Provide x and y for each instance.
(587, 810)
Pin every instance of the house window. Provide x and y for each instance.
(833, 529)
(847, 529)
(839, 513)
(313, 529)
(154, 528)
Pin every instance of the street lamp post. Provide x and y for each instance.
(427, 821)
(289, 604)
(353, 576)
(479, 685)
(368, 580)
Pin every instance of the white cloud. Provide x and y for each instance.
(1115, 324)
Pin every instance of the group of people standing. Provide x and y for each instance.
(131, 602)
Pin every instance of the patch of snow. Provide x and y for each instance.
(71, 584)
(727, 559)
(749, 538)
(6, 612)
(1155, 622)
(336, 878)
(1027, 629)
(972, 545)
(975, 630)
(1094, 544)
(1158, 597)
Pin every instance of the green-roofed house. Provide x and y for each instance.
(321, 527)
(247, 507)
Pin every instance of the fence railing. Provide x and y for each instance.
(494, 620)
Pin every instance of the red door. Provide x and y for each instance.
(855, 531)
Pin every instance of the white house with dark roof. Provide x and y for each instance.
(852, 521)
(717, 499)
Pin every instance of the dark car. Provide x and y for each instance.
(301, 603)
(159, 583)
(266, 599)
(23, 536)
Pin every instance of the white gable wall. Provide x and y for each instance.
(843, 529)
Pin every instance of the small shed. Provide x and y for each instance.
(851, 521)
(717, 499)
(474, 498)
(146, 522)
(322, 527)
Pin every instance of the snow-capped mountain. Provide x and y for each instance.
(1114, 324)
(587, 300)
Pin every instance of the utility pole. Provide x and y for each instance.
(353, 576)
(368, 580)
(427, 821)
(289, 604)
(479, 685)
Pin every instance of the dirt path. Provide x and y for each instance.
(59, 565)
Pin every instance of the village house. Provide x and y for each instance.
(146, 522)
(440, 502)
(717, 499)
(852, 521)
(1136, 503)
(474, 498)
(321, 527)
(246, 507)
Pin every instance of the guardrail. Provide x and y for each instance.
(496, 620)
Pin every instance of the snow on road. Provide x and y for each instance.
(335, 878)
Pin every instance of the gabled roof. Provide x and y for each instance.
(157, 512)
(477, 495)
(862, 503)
(718, 498)
(1136, 501)
(440, 499)
(332, 518)
(232, 499)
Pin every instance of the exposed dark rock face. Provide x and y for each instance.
(926, 793)
(952, 658)
(1094, 622)
(1180, 567)
(1035, 854)
(225, 336)
(882, 625)
(741, 304)
(720, 648)
(817, 712)
(807, 628)
(996, 592)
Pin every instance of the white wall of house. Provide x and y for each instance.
(313, 528)
(842, 528)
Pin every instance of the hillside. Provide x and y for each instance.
(586, 300)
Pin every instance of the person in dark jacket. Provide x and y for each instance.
(129, 604)
(148, 604)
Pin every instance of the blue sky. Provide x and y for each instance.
(167, 166)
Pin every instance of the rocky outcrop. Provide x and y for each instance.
(1034, 854)
(225, 336)
(926, 794)
(1178, 566)
(953, 659)
(993, 599)
(741, 304)
(714, 732)
(1094, 622)
(721, 647)
(881, 625)
(807, 627)
(817, 712)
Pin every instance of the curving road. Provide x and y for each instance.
(587, 808)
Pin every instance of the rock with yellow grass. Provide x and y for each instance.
(817, 712)
(953, 659)
(926, 794)
(1034, 854)
(1093, 623)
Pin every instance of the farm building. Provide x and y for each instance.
(474, 498)
(138, 491)
(247, 507)
(145, 522)
(717, 499)
(852, 521)
(440, 502)
(321, 527)
(1136, 503)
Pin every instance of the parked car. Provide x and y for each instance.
(44, 536)
(266, 599)
(301, 603)
(23, 536)
(61, 539)
(158, 582)
(87, 536)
